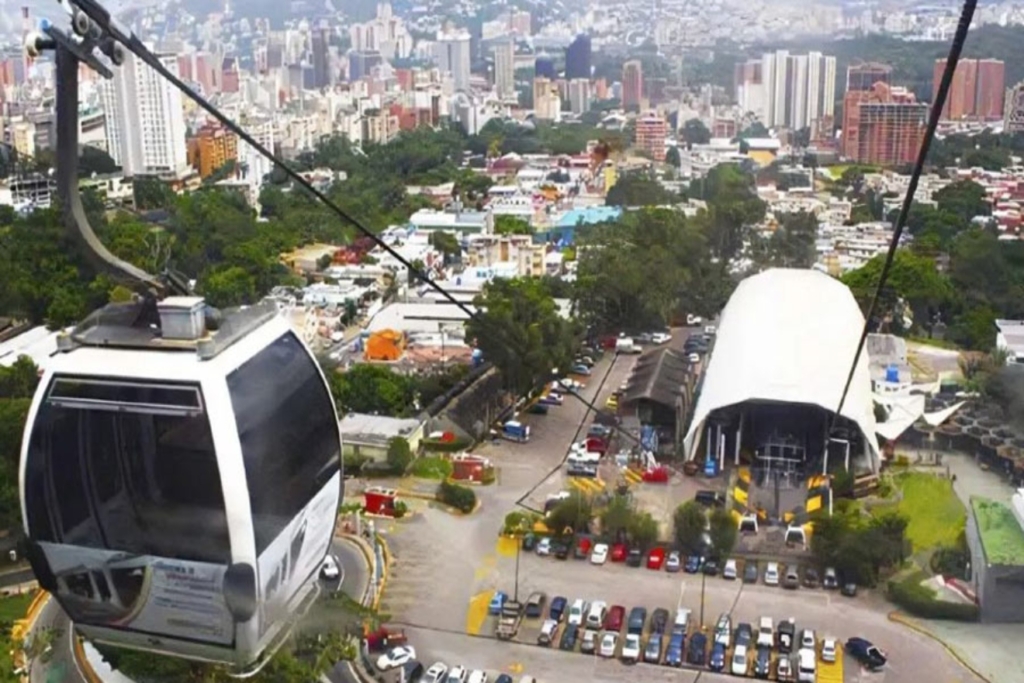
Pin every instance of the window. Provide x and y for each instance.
(289, 433)
(109, 468)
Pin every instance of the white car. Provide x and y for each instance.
(729, 571)
(807, 640)
(330, 570)
(436, 673)
(396, 657)
(547, 632)
(600, 554)
(609, 643)
(739, 661)
(478, 677)
(572, 384)
(577, 611)
(457, 675)
(828, 649)
(771, 574)
(544, 546)
(693, 358)
(631, 648)
(660, 337)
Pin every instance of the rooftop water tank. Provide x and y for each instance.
(892, 374)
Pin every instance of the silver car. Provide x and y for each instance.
(674, 562)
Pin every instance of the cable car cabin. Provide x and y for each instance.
(179, 488)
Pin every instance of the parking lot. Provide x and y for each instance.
(447, 567)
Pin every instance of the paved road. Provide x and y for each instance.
(63, 668)
(447, 567)
(16, 577)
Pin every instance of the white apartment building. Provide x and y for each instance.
(505, 70)
(145, 122)
(452, 54)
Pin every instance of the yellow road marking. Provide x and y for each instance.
(516, 668)
(831, 673)
(507, 545)
(476, 615)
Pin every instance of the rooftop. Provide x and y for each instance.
(589, 215)
(1002, 538)
(377, 430)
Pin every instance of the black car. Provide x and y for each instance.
(744, 635)
(785, 635)
(636, 621)
(866, 653)
(697, 651)
(568, 641)
(763, 662)
(709, 498)
(561, 551)
(659, 620)
(635, 557)
(751, 571)
(849, 589)
(529, 542)
(831, 580)
(711, 568)
(811, 577)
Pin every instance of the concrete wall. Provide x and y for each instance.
(1000, 588)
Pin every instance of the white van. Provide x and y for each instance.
(806, 663)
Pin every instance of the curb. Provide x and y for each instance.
(907, 621)
(82, 661)
(368, 556)
(384, 574)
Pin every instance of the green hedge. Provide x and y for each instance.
(461, 498)
(920, 601)
(438, 446)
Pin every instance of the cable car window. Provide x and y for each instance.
(288, 431)
(122, 395)
(140, 482)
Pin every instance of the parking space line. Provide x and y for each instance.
(682, 592)
(476, 615)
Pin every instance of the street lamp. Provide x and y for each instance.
(515, 593)
(703, 580)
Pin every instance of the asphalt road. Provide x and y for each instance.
(62, 667)
(447, 567)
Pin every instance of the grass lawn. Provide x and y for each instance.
(15, 606)
(431, 467)
(936, 516)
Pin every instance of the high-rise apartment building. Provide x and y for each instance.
(547, 105)
(505, 69)
(632, 84)
(792, 91)
(884, 125)
(579, 95)
(977, 90)
(544, 66)
(1013, 121)
(863, 76)
(452, 52)
(360, 64)
(577, 58)
(144, 119)
(210, 148)
(651, 131)
(385, 34)
(319, 42)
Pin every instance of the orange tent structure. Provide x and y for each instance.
(384, 345)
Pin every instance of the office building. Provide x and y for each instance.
(385, 34)
(452, 52)
(883, 126)
(321, 61)
(579, 95)
(144, 119)
(651, 131)
(360, 64)
(544, 67)
(210, 148)
(977, 90)
(505, 70)
(632, 85)
(577, 58)
(547, 105)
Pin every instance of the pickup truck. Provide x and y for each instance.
(508, 622)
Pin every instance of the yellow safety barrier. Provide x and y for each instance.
(633, 476)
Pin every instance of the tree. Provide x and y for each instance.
(617, 515)
(518, 328)
(672, 157)
(639, 189)
(643, 529)
(373, 389)
(792, 245)
(573, 514)
(964, 199)
(723, 533)
(696, 133)
(689, 522)
(913, 281)
(510, 225)
(400, 456)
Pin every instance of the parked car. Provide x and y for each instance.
(609, 644)
(529, 542)
(577, 612)
(674, 651)
(709, 498)
(436, 673)
(692, 564)
(596, 614)
(396, 657)
(744, 634)
(588, 645)
(771, 574)
(730, 571)
(535, 605)
(656, 558)
(659, 620)
(765, 633)
(849, 589)
(458, 674)
(792, 580)
(497, 602)
(866, 653)
(547, 632)
(829, 645)
(568, 641)
(476, 677)
(750, 571)
(808, 641)
(637, 620)
(652, 653)
(561, 551)
(631, 648)
(583, 546)
(674, 562)
(811, 577)
(739, 661)
(619, 552)
(783, 669)
(681, 623)
(329, 570)
(557, 608)
(763, 662)
(717, 660)
(723, 630)
(635, 557)
(786, 636)
(710, 567)
(830, 580)
(613, 619)
(600, 554)
(544, 546)
(695, 654)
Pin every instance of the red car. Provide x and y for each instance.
(619, 552)
(656, 558)
(613, 620)
(583, 547)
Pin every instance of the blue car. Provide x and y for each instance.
(692, 564)
(717, 662)
(557, 608)
(674, 654)
(497, 602)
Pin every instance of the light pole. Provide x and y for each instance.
(515, 593)
(703, 579)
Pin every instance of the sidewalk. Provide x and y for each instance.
(989, 650)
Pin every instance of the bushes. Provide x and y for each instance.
(431, 467)
(459, 497)
(921, 601)
(439, 446)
